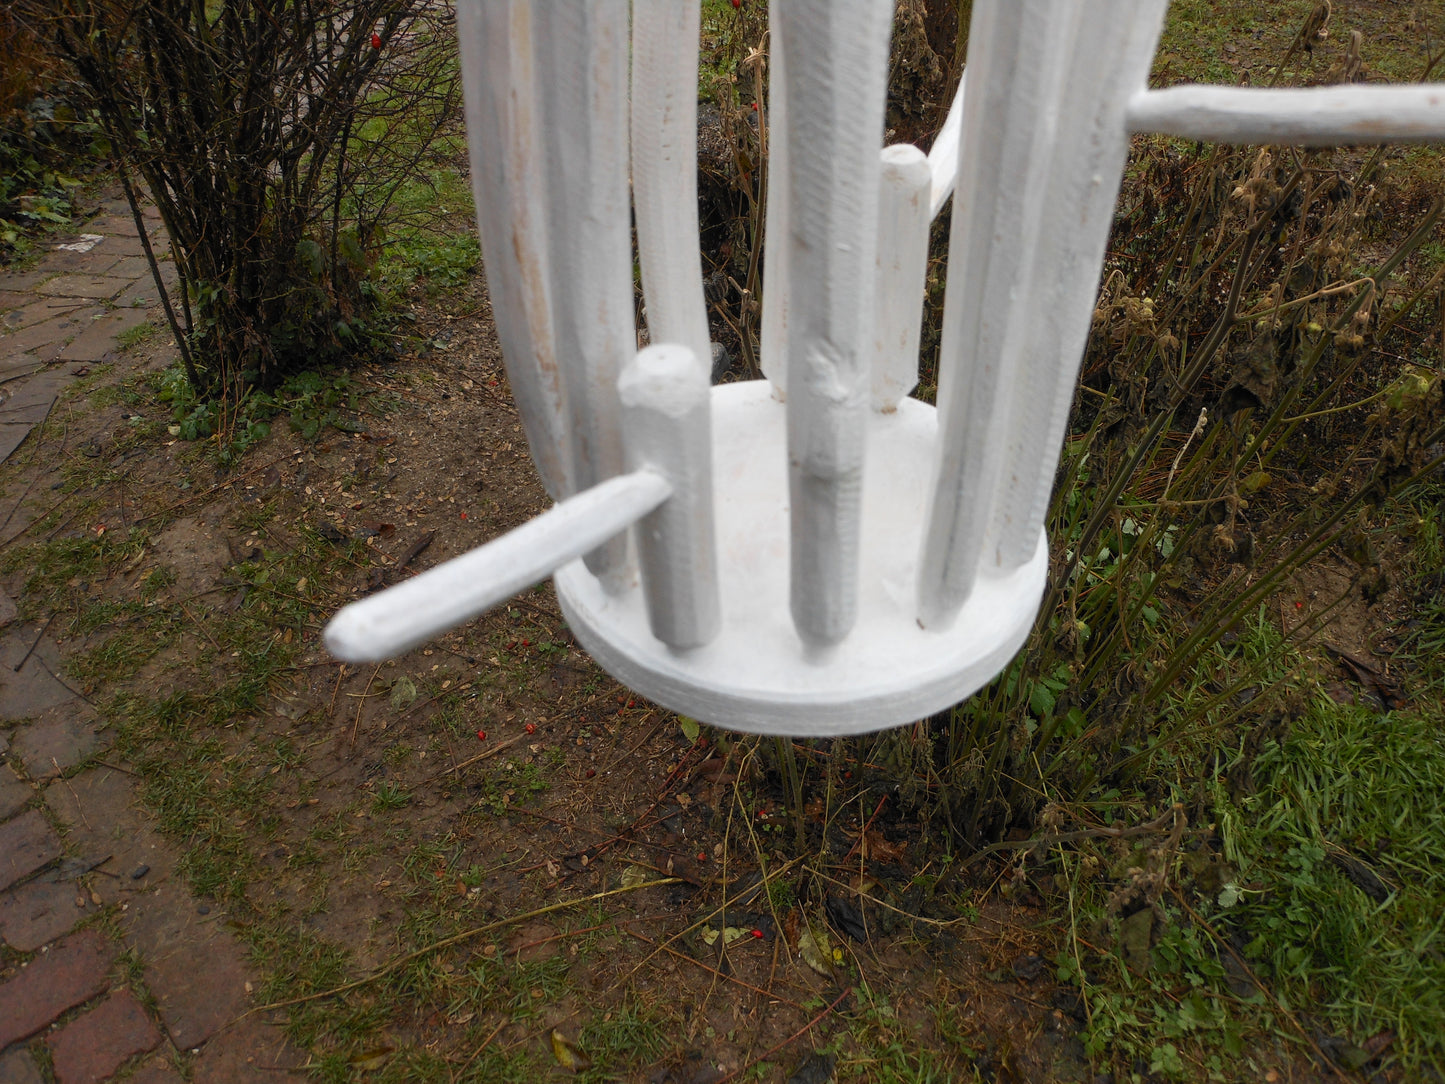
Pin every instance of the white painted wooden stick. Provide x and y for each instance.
(504, 136)
(400, 618)
(835, 60)
(1003, 150)
(664, 171)
(943, 155)
(582, 79)
(1298, 116)
(777, 289)
(1111, 53)
(902, 263)
(667, 416)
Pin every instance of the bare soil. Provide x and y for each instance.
(497, 771)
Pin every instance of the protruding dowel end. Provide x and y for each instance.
(902, 270)
(668, 429)
(416, 610)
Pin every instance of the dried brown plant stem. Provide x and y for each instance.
(183, 343)
(457, 939)
(769, 994)
(766, 1054)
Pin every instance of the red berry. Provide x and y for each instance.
(758, 933)
(702, 856)
(376, 38)
(481, 735)
(531, 728)
(737, 4)
(590, 772)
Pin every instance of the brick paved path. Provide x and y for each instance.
(108, 961)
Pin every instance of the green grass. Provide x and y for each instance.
(1422, 640)
(134, 336)
(1359, 786)
(875, 1045)
(59, 571)
(621, 1043)
(433, 242)
(1196, 32)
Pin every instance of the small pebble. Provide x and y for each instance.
(203, 909)
(139, 872)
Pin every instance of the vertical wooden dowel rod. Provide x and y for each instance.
(1107, 66)
(667, 413)
(504, 137)
(582, 80)
(664, 171)
(835, 60)
(773, 351)
(903, 220)
(1002, 150)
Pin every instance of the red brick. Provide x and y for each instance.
(73, 972)
(47, 338)
(94, 1045)
(36, 914)
(27, 844)
(13, 792)
(96, 287)
(132, 267)
(37, 310)
(193, 968)
(18, 1067)
(97, 808)
(26, 281)
(119, 224)
(142, 292)
(89, 262)
(59, 739)
(99, 339)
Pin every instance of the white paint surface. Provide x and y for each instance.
(402, 617)
(664, 172)
(1298, 116)
(836, 63)
(667, 416)
(757, 675)
(943, 155)
(902, 267)
(810, 567)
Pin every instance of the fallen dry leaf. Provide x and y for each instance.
(567, 1054)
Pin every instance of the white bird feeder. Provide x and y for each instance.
(814, 553)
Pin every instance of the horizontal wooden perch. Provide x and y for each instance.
(1305, 117)
(412, 612)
